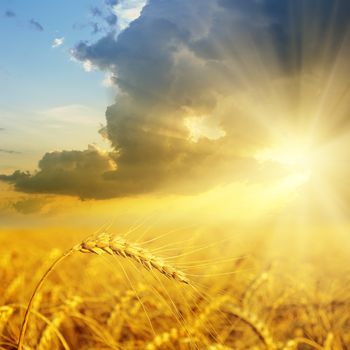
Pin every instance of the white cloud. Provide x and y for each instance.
(70, 114)
(57, 42)
(108, 80)
(203, 127)
(88, 66)
(127, 11)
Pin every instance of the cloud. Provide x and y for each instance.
(36, 25)
(96, 28)
(127, 11)
(10, 14)
(68, 172)
(8, 151)
(69, 114)
(101, 18)
(200, 90)
(111, 2)
(16, 176)
(57, 42)
(88, 66)
(109, 80)
(111, 19)
(30, 205)
(95, 11)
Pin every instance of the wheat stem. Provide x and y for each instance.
(30, 304)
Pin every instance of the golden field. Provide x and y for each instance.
(241, 293)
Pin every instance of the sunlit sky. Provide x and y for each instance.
(233, 111)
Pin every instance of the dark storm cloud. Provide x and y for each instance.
(181, 60)
(10, 14)
(36, 25)
(296, 29)
(67, 172)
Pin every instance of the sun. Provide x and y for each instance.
(295, 157)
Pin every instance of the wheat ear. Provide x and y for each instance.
(5, 313)
(164, 338)
(116, 245)
(258, 327)
(115, 321)
(48, 335)
(218, 347)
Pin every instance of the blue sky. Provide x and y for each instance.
(32, 71)
(37, 81)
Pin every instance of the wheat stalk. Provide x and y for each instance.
(253, 287)
(293, 344)
(328, 344)
(48, 334)
(33, 327)
(113, 245)
(223, 302)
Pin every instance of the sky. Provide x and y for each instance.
(43, 91)
(173, 104)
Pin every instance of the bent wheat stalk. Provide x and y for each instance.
(250, 319)
(224, 303)
(112, 245)
(30, 304)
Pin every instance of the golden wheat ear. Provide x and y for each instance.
(112, 245)
(116, 245)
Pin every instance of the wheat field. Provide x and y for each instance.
(111, 291)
